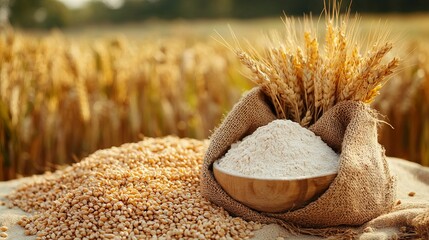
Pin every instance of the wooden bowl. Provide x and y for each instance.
(272, 195)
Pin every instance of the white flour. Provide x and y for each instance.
(282, 149)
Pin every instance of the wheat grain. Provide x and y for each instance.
(369, 65)
(340, 65)
(259, 76)
(318, 88)
(378, 78)
(350, 84)
(289, 77)
(141, 190)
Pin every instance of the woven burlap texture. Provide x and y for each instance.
(363, 189)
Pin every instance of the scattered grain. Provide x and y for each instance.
(148, 189)
(411, 194)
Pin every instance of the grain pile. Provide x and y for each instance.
(148, 189)
(281, 149)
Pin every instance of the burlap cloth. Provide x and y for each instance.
(363, 190)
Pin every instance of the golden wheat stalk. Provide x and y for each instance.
(306, 84)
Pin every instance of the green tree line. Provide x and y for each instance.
(52, 13)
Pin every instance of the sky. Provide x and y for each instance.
(79, 3)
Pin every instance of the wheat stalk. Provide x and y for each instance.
(306, 84)
(378, 79)
(290, 78)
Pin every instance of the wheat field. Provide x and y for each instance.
(62, 97)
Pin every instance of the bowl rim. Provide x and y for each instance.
(232, 173)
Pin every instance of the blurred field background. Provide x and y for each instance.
(74, 80)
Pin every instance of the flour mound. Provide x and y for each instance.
(280, 149)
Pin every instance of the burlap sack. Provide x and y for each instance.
(410, 215)
(362, 190)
